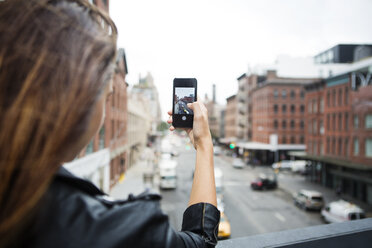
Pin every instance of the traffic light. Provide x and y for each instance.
(232, 145)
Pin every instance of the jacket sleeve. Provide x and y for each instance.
(199, 227)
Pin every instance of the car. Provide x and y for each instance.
(341, 211)
(283, 165)
(238, 163)
(308, 199)
(224, 228)
(264, 182)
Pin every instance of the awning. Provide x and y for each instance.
(265, 146)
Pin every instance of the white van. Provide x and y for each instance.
(340, 211)
(168, 174)
(218, 177)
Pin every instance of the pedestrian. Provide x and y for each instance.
(56, 68)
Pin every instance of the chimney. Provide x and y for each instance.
(271, 74)
(214, 93)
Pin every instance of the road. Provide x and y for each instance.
(249, 212)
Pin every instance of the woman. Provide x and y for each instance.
(56, 64)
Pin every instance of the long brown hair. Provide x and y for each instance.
(56, 57)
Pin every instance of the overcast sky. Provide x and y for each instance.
(215, 41)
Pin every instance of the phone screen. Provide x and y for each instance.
(183, 96)
(184, 92)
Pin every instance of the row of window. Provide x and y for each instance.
(292, 124)
(342, 121)
(340, 146)
(292, 108)
(284, 94)
(292, 140)
(338, 98)
(312, 106)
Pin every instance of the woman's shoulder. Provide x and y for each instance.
(75, 210)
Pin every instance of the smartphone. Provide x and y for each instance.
(184, 92)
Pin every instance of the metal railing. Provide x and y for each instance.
(356, 233)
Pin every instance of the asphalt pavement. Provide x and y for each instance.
(249, 212)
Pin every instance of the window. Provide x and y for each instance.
(321, 107)
(302, 140)
(368, 148)
(315, 106)
(293, 140)
(328, 99)
(340, 146)
(284, 108)
(284, 94)
(89, 148)
(346, 149)
(334, 146)
(334, 122)
(368, 121)
(284, 124)
(356, 121)
(321, 127)
(339, 121)
(356, 146)
(275, 124)
(339, 97)
(302, 94)
(346, 96)
(101, 143)
(284, 140)
(321, 148)
(334, 97)
(302, 108)
(314, 127)
(302, 124)
(309, 107)
(328, 122)
(293, 109)
(315, 147)
(328, 145)
(293, 94)
(275, 108)
(292, 124)
(310, 127)
(346, 126)
(276, 94)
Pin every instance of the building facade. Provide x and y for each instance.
(339, 139)
(231, 125)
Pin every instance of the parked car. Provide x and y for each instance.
(340, 211)
(238, 163)
(299, 166)
(224, 228)
(264, 182)
(218, 178)
(308, 199)
(283, 165)
(168, 174)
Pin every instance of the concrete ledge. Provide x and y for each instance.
(347, 234)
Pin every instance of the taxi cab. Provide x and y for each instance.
(224, 229)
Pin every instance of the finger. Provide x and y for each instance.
(171, 128)
(191, 105)
(169, 112)
(170, 120)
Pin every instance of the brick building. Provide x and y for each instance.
(231, 125)
(339, 133)
(277, 117)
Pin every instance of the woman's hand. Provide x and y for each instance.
(200, 134)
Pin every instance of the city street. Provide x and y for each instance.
(249, 212)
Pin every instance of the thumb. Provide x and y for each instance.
(191, 106)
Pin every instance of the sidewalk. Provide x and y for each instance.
(133, 181)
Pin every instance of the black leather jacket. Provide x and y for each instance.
(75, 213)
